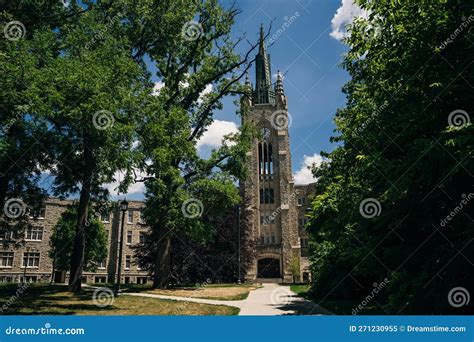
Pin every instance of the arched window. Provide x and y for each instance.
(265, 158)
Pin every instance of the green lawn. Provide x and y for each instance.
(39, 299)
(300, 289)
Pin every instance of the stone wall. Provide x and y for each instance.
(53, 210)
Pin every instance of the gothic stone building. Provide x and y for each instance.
(274, 208)
(274, 243)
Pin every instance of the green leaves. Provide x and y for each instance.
(400, 147)
(63, 236)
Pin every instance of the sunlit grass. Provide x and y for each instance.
(204, 291)
(55, 300)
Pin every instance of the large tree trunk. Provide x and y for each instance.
(3, 189)
(162, 260)
(77, 256)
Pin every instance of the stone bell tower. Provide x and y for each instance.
(269, 211)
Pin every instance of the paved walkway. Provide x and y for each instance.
(275, 299)
(269, 300)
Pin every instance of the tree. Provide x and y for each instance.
(93, 89)
(62, 240)
(403, 163)
(295, 266)
(180, 185)
(23, 136)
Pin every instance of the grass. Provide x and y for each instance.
(301, 289)
(337, 306)
(41, 299)
(211, 291)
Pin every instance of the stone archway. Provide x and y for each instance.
(268, 268)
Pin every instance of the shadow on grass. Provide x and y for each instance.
(43, 299)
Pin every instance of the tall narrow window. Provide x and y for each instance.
(265, 157)
(128, 261)
(267, 196)
(142, 238)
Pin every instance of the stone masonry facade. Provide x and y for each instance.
(274, 208)
(30, 258)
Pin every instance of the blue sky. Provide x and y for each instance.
(308, 51)
(310, 57)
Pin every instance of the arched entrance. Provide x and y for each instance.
(268, 268)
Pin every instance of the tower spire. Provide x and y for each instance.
(247, 80)
(279, 84)
(263, 86)
(262, 49)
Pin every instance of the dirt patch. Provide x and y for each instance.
(214, 292)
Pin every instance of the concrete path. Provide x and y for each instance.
(275, 299)
(268, 300)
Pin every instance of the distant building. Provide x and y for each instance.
(31, 258)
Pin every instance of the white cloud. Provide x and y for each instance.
(206, 91)
(212, 138)
(304, 174)
(345, 15)
(135, 188)
(159, 85)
